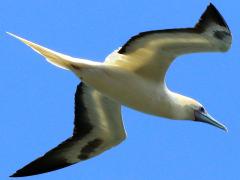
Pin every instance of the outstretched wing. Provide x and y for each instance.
(98, 127)
(149, 54)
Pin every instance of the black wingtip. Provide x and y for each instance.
(211, 15)
(19, 174)
(40, 166)
(16, 175)
(13, 175)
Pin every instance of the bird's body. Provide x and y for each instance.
(134, 76)
(133, 91)
(127, 88)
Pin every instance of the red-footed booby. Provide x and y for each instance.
(134, 76)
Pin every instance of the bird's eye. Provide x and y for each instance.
(202, 109)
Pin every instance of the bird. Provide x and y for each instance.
(132, 76)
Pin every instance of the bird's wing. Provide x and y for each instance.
(97, 127)
(149, 54)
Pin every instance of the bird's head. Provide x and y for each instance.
(190, 109)
(198, 113)
(201, 115)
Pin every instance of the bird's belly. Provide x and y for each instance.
(127, 88)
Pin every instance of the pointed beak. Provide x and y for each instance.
(206, 118)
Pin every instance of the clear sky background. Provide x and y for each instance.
(36, 98)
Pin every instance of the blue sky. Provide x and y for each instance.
(36, 99)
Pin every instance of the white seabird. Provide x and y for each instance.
(132, 76)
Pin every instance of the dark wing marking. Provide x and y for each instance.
(98, 127)
(211, 15)
(82, 125)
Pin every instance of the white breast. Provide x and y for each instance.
(128, 88)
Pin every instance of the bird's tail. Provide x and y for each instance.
(58, 59)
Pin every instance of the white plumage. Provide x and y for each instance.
(134, 76)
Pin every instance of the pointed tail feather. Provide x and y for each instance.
(60, 60)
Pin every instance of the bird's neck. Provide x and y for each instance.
(177, 106)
